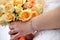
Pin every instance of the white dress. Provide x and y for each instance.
(44, 35)
(4, 33)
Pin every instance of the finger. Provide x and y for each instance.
(11, 27)
(11, 36)
(29, 36)
(11, 39)
(13, 32)
(14, 24)
(15, 37)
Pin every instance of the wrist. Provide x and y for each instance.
(33, 26)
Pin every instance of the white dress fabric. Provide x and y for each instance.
(51, 4)
(4, 35)
(44, 35)
(48, 35)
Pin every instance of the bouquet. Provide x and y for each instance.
(23, 10)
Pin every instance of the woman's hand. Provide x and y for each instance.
(19, 28)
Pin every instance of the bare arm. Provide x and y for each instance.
(49, 20)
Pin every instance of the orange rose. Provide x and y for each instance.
(29, 4)
(22, 38)
(8, 6)
(10, 16)
(34, 14)
(1, 23)
(16, 2)
(30, 0)
(25, 15)
(1, 14)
